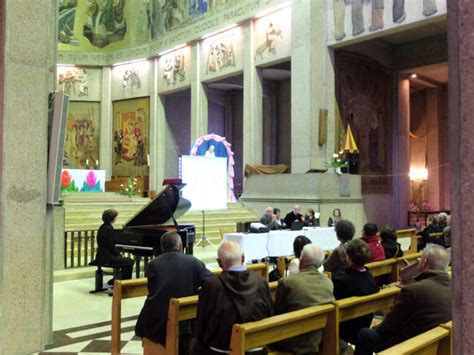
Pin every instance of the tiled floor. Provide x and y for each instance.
(81, 321)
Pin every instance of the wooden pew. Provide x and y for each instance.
(432, 342)
(284, 326)
(124, 289)
(409, 233)
(284, 261)
(449, 326)
(384, 267)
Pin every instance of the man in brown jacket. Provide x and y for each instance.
(420, 306)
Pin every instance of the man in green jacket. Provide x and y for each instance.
(307, 288)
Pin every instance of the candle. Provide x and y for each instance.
(148, 159)
(97, 163)
(87, 161)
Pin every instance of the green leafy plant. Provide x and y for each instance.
(130, 188)
(337, 162)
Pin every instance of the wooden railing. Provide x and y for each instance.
(79, 247)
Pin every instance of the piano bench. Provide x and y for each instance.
(99, 275)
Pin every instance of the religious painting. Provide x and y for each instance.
(130, 137)
(272, 35)
(105, 22)
(66, 19)
(363, 89)
(81, 148)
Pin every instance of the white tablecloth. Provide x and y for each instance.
(280, 243)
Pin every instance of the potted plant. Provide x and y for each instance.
(130, 188)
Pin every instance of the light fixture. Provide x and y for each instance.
(413, 76)
(66, 65)
(274, 9)
(172, 49)
(418, 174)
(129, 62)
(219, 31)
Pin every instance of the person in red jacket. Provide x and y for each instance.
(369, 235)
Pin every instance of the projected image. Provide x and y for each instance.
(206, 182)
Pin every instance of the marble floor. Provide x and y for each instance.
(81, 321)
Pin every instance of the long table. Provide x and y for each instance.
(280, 243)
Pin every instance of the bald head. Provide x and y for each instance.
(311, 255)
(296, 209)
(269, 211)
(229, 254)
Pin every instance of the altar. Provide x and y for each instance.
(280, 243)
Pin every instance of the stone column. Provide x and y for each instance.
(106, 134)
(433, 188)
(461, 139)
(159, 150)
(253, 100)
(312, 77)
(27, 70)
(154, 171)
(199, 104)
(401, 158)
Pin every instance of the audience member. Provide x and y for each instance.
(298, 244)
(292, 216)
(420, 306)
(337, 261)
(447, 236)
(269, 219)
(107, 253)
(170, 275)
(389, 243)
(336, 216)
(357, 281)
(430, 229)
(369, 235)
(235, 296)
(310, 219)
(278, 219)
(307, 288)
(442, 220)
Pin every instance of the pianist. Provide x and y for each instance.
(107, 254)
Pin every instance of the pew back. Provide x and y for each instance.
(409, 233)
(269, 330)
(432, 342)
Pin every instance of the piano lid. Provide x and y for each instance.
(160, 209)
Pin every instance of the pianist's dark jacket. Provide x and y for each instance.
(170, 275)
(106, 251)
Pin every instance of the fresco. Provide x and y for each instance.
(130, 137)
(81, 148)
(80, 83)
(131, 80)
(66, 21)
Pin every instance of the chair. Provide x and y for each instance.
(99, 275)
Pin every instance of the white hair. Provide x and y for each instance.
(229, 253)
(312, 255)
(437, 257)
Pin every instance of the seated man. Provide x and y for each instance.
(307, 288)
(420, 306)
(170, 275)
(235, 296)
(294, 215)
(269, 219)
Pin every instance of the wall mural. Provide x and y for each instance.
(81, 148)
(220, 54)
(363, 96)
(80, 83)
(131, 80)
(66, 20)
(130, 137)
(272, 35)
(375, 10)
(105, 22)
(173, 69)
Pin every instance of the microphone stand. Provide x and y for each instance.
(203, 239)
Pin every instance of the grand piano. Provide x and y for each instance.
(141, 235)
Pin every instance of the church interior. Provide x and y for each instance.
(194, 117)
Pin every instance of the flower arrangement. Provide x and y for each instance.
(130, 188)
(337, 162)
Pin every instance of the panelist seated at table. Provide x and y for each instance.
(311, 219)
(294, 215)
(278, 219)
(269, 219)
(336, 216)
